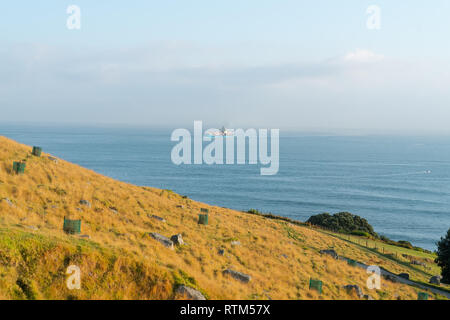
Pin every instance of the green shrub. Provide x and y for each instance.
(255, 211)
(343, 222)
(405, 244)
(360, 233)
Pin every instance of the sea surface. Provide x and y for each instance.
(401, 185)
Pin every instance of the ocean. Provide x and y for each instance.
(400, 184)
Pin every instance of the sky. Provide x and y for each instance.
(289, 64)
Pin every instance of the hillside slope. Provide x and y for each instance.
(120, 260)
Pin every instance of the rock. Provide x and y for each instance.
(78, 209)
(190, 293)
(177, 239)
(55, 160)
(266, 293)
(330, 252)
(238, 275)
(85, 236)
(34, 228)
(113, 210)
(221, 252)
(284, 256)
(356, 288)
(9, 202)
(180, 206)
(404, 276)
(163, 240)
(158, 218)
(436, 280)
(235, 243)
(85, 203)
(368, 297)
(418, 263)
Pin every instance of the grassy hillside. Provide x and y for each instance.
(120, 260)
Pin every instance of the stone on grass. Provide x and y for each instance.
(238, 275)
(235, 243)
(177, 239)
(9, 202)
(55, 160)
(418, 263)
(356, 288)
(157, 218)
(85, 203)
(330, 252)
(163, 240)
(436, 280)
(190, 293)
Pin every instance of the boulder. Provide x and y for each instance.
(189, 293)
(368, 297)
(177, 239)
(238, 275)
(235, 243)
(9, 202)
(418, 263)
(436, 280)
(55, 160)
(85, 236)
(330, 252)
(163, 240)
(221, 252)
(157, 218)
(85, 203)
(356, 288)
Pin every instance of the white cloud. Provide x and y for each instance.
(363, 56)
(174, 85)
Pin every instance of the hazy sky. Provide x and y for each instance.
(304, 65)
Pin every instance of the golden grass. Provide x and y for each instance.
(121, 262)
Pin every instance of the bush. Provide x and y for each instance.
(255, 211)
(405, 244)
(360, 233)
(443, 259)
(343, 222)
